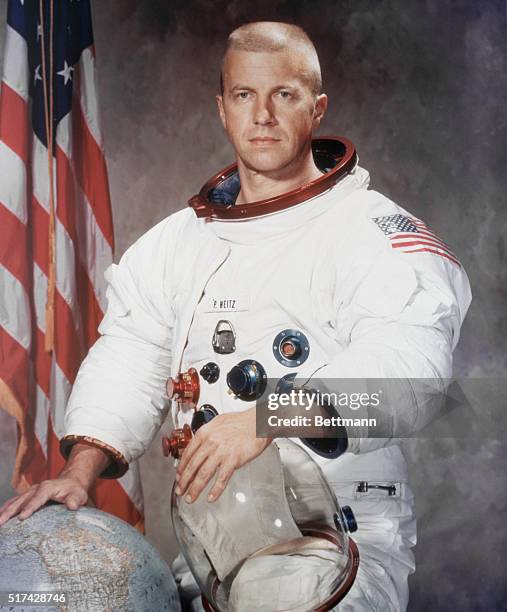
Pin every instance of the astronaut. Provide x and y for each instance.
(288, 241)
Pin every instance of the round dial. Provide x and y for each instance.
(247, 380)
(291, 348)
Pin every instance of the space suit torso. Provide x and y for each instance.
(280, 273)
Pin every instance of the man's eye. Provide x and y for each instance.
(243, 95)
(284, 94)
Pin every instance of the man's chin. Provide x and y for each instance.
(265, 162)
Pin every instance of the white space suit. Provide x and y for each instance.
(324, 266)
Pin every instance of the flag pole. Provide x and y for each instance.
(49, 338)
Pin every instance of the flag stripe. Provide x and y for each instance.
(13, 122)
(61, 388)
(435, 252)
(421, 233)
(42, 363)
(84, 87)
(94, 315)
(406, 243)
(91, 174)
(13, 299)
(41, 423)
(13, 246)
(55, 459)
(111, 494)
(15, 68)
(13, 167)
(17, 361)
(33, 462)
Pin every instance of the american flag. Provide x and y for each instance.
(55, 232)
(412, 235)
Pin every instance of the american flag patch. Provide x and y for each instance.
(411, 235)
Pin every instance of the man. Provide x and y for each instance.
(325, 266)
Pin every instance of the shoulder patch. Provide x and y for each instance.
(411, 235)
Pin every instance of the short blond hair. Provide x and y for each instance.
(273, 36)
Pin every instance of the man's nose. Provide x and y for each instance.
(264, 112)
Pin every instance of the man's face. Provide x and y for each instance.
(269, 113)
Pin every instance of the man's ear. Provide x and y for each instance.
(319, 110)
(221, 112)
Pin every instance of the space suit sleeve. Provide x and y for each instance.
(399, 318)
(118, 400)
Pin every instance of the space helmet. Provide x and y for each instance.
(276, 539)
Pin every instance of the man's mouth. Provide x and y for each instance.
(264, 140)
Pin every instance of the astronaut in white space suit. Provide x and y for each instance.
(286, 240)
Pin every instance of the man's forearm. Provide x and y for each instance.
(85, 464)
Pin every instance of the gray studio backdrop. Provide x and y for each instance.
(420, 88)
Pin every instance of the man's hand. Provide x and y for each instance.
(221, 446)
(70, 488)
(64, 490)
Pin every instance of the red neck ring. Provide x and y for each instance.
(336, 153)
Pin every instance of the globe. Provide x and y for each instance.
(98, 561)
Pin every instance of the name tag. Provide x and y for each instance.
(227, 304)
